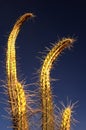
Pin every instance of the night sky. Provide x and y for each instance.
(54, 20)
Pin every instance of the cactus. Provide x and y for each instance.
(48, 119)
(66, 119)
(66, 116)
(17, 97)
(16, 92)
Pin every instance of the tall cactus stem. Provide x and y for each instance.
(16, 93)
(48, 119)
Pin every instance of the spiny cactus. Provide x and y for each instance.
(17, 96)
(66, 119)
(48, 119)
(16, 93)
(66, 116)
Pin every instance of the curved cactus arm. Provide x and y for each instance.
(48, 118)
(16, 93)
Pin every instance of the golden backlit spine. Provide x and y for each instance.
(48, 119)
(16, 93)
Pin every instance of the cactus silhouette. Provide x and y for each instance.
(17, 98)
(48, 119)
(16, 93)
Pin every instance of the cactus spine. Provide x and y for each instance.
(16, 93)
(48, 119)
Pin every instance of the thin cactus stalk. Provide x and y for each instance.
(48, 119)
(66, 119)
(16, 93)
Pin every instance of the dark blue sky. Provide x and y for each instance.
(54, 20)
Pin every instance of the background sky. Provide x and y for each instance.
(54, 20)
